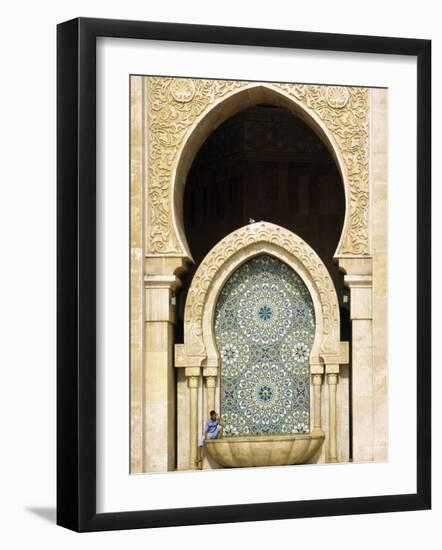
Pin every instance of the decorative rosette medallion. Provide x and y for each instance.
(337, 96)
(182, 90)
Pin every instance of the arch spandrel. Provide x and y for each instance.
(181, 113)
(199, 348)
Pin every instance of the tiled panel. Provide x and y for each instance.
(265, 327)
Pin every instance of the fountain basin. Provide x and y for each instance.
(264, 450)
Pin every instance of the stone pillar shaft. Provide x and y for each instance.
(332, 380)
(362, 365)
(211, 389)
(317, 384)
(159, 375)
(193, 382)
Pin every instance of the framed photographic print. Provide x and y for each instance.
(243, 274)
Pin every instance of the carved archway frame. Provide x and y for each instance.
(181, 113)
(199, 352)
(199, 348)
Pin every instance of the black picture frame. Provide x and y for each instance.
(76, 273)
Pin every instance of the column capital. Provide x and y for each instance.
(356, 265)
(316, 368)
(333, 361)
(193, 381)
(210, 381)
(162, 281)
(358, 281)
(167, 266)
(192, 371)
(317, 379)
(332, 379)
(210, 371)
(184, 359)
(361, 296)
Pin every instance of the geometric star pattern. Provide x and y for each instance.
(264, 329)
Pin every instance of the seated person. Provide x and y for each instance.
(213, 430)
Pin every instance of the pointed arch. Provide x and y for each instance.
(199, 348)
(231, 104)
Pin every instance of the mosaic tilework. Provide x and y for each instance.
(264, 328)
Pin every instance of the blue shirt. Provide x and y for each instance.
(211, 426)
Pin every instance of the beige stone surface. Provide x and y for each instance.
(367, 281)
(181, 113)
(160, 157)
(362, 391)
(159, 398)
(343, 414)
(183, 419)
(276, 450)
(361, 297)
(378, 187)
(136, 278)
(193, 383)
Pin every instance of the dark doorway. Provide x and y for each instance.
(265, 164)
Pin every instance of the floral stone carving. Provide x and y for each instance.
(215, 262)
(175, 105)
(344, 111)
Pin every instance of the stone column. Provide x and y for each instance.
(193, 383)
(336, 428)
(317, 386)
(360, 286)
(211, 389)
(159, 375)
(332, 380)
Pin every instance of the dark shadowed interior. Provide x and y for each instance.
(265, 164)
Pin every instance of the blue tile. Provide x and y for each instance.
(265, 328)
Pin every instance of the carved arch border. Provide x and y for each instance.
(181, 114)
(199, 348)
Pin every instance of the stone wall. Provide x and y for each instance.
(170, 119)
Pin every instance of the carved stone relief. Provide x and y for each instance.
(174, 106)
(344, 111)
(217, 260)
